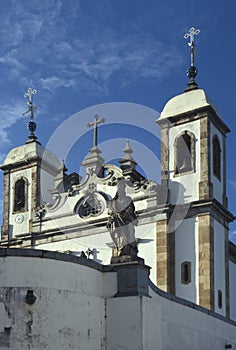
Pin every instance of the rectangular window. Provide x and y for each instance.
(186, 272)
(219, 299)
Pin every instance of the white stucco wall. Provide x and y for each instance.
(147, 247)
(48, 184)
(21, 227)
(219, 265)
(96, 242)
(76, 308)
(184, 187)
(182, 327)
(100, 244)
(217, 184)
(186, 249)
(159, 323)
(232, 289)
(69, 312)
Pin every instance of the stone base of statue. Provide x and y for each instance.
(127, 254)
(132, 277)
(125, 258)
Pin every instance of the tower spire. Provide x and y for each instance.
(31, 109)
(192, 70)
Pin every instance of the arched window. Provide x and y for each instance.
(184, 152)
(216, 157)
(20, 195)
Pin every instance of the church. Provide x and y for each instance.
(114, 260)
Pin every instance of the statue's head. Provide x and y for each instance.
(121, 187)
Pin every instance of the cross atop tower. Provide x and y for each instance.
(31, 109)
(95, 125)
(192, 70)
(29, 94)
(191, 33)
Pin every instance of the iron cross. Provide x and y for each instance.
(95, 124)
(191, 34)
(29, 94)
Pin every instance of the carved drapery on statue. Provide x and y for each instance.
(121, 224)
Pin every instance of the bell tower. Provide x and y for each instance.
(193, 157)
(24, 169)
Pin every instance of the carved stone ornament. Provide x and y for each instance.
(92, 205)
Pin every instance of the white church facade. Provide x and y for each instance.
(157, 273)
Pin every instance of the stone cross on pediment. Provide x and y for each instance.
(95, 124)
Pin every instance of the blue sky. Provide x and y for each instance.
(78, 54)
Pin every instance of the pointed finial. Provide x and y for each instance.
(128, 160)
(62, 167)
(127, 149)
(31, 109)
(192, 70)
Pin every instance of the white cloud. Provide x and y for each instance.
(12, 64)
(60, 44)
(52, 83)
(9, 115)
(92, 64)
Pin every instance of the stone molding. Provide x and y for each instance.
(205, 185)
(206, 261)
(196, 114)
(165, 257)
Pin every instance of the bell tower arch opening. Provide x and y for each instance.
(184, 152)
(20, 195)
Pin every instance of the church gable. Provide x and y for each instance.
(88, 201)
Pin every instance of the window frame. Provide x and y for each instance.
(24, 207)
(192, 153)
(186, 272)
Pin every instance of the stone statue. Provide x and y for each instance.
(121, 222)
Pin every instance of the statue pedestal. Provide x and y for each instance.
(132, 277)
(125, 258)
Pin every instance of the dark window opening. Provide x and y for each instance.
(219, 299)
(20, 195)
(216, 158)
(186, 272)
(184, 149)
